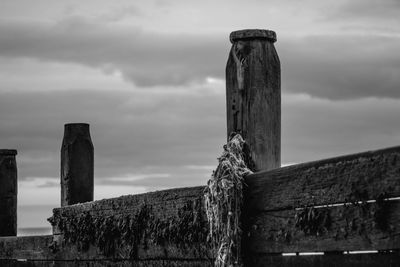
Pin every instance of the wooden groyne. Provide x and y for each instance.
(345, 211)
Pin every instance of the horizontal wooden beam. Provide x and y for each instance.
(43, 251)
(369, 226)
(297, 208)
(348, 260)
(357, 177)
(26, 247)
(106, 263)
(119, 205)
(168, 224)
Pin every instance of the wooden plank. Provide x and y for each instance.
(106, 263)
(350, 260)
(350, 178)
(22, 247)
(135, 201)
(369, 226)
(44, 249)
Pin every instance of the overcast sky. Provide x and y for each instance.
(149, 78)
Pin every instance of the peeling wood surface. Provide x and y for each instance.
(350, 178)
(351, 260)
(356, 227)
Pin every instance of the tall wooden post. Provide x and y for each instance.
(8, 192)
(77, 161)
(253, 95)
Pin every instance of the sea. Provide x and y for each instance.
(34, 231)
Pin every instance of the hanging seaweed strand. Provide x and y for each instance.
(223, 201)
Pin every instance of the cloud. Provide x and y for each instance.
(340, 67)
(370, 10)
(140, 133)
(315, 128)
(144, 58)
(336, 66)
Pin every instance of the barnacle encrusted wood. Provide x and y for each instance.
(223, 201)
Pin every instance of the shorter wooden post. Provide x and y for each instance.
(8, 192)
(77, 164)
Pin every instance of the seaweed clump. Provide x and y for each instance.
(107, 233)
(223, 203)
(313, 221)
(125, 233)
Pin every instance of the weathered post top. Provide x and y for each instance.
(77, 164)
(8, 192)
(75, 129)
(11, 152)
(253, 95)
(252, 34)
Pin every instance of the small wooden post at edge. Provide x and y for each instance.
(8, 192)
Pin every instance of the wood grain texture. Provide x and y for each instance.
(351, 260)
(368, 226)
(356, 177)
(253, 95)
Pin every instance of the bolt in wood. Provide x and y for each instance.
(253, 95)
(76, 164)
(8, 192)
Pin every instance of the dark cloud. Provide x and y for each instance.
(326, 66)
(144, 58)
(341, 66)
(370, 10)
(314, 129)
